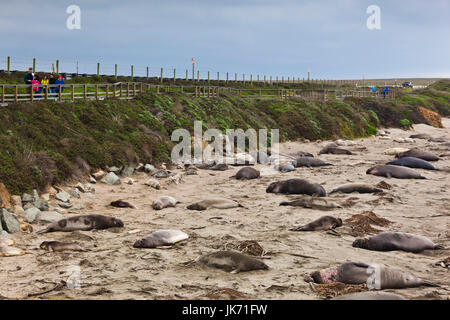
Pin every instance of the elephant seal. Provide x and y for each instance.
(219, 167)
(286, 167)
(359, 273)
(122, 204)
(247, 173)
(360, 188)
(370, 296)
(330, 149)
(394, 151)
(61, 246)
(412, 162)
(164, 202)
(416, 153)
(296, 186)
(300, 154)
(161, 173)
(153, 183)
(420, 136)
(398, 172)
(232, 261)
(217, 203)
(311, 203)
(8, 251)
(83, 223)
(390, 241)
(161, 238)
(323, 223)
(310, 162)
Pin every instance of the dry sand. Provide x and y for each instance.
(113, 269)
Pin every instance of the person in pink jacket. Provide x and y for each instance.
(36, 89)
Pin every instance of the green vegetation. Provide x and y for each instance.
(48, 142)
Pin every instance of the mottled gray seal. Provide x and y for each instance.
(217, 203)
(420, 136)
(232, 261)
(355, 187)
(286, 167)
(8, 251)
(300, 154)
(296, 186)
(247, 173)
(164, 202)
(377, 276)
(311, 203)
(161, 173)
(412, 162)
(398, 172)
(416, 153)
(83, 223)
(323, 223)
(310, 162)
(370, 296)
(161, 238)
(390, 241)
(122, 204)
(330, 149)
(61, 246)
(220, 167)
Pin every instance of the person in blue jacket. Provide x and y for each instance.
(59, 81)
(385, 92)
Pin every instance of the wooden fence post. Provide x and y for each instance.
(128, 90)
(96, 92)
(8, 62)
(115, 71)
(121, 89)
(218, 77)
(147, 73)
(3, 94)
(174, 75)
(16, 94)
(161, 75)
(34, 64)
(134, 89)
(208, 76)
(107, 91)
(98, 69)
(187, 75)
(132, 72)
(60, 93)
(57, 66)
(73, 92)
(235, 77)
(227, 77)
(85, 91)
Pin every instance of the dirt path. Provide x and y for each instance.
(113, 269)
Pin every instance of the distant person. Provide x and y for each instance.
(373, 89)
(35, 82)
(52, 80)
(385, 92)
(45, 81)
(28, 79)
(60, 81)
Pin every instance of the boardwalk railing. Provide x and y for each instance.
(129, 90)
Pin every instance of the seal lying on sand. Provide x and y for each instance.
(412, 162)
(161, 238)
(247, 173)
(232, 261)
(310, 162)
(164, 202)
(218, 203)
(311, 203)
(122, 204)
(296, 186)
(370, 296)
(61, 246)
(416, 153)
(394, 151)
(390, 241)
(300, 154)
(359, 273)
(333, 148)
(83, 223)
(398, 172)
(360, 188)
(420, 136)
(323, 223)
(7, 251)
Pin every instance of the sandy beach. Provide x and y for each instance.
(113, 269)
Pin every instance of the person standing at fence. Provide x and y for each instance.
(60, 81)
(28, 79)
(35, 84)
(52, 80)
(46, 82)
(385, 92)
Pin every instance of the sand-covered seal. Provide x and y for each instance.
(390, 241)
(390, 171)
(424, 136)
(299, 154)
(164, 202)
(310, 162)
(416, 153)
(394, 151)
(356, 187)
(232, 261)
(311, 203)
(286, 167)
(334, 149)
(323, 223)
(369, 295)
(377, 276)
(122, 204)
(8, 251)
(61, 246)
(161, 238)
(296, 186)
(412, 162)
(83, 223)
(218, 203)
(247, 173)
(219, 167)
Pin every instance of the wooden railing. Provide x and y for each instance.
(129, 90)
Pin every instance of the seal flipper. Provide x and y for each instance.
(285, 203)
(43, 231)
(430, 284)
(439, 247)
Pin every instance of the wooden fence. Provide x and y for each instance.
(129, 90)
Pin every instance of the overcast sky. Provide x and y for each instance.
(265, 37)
